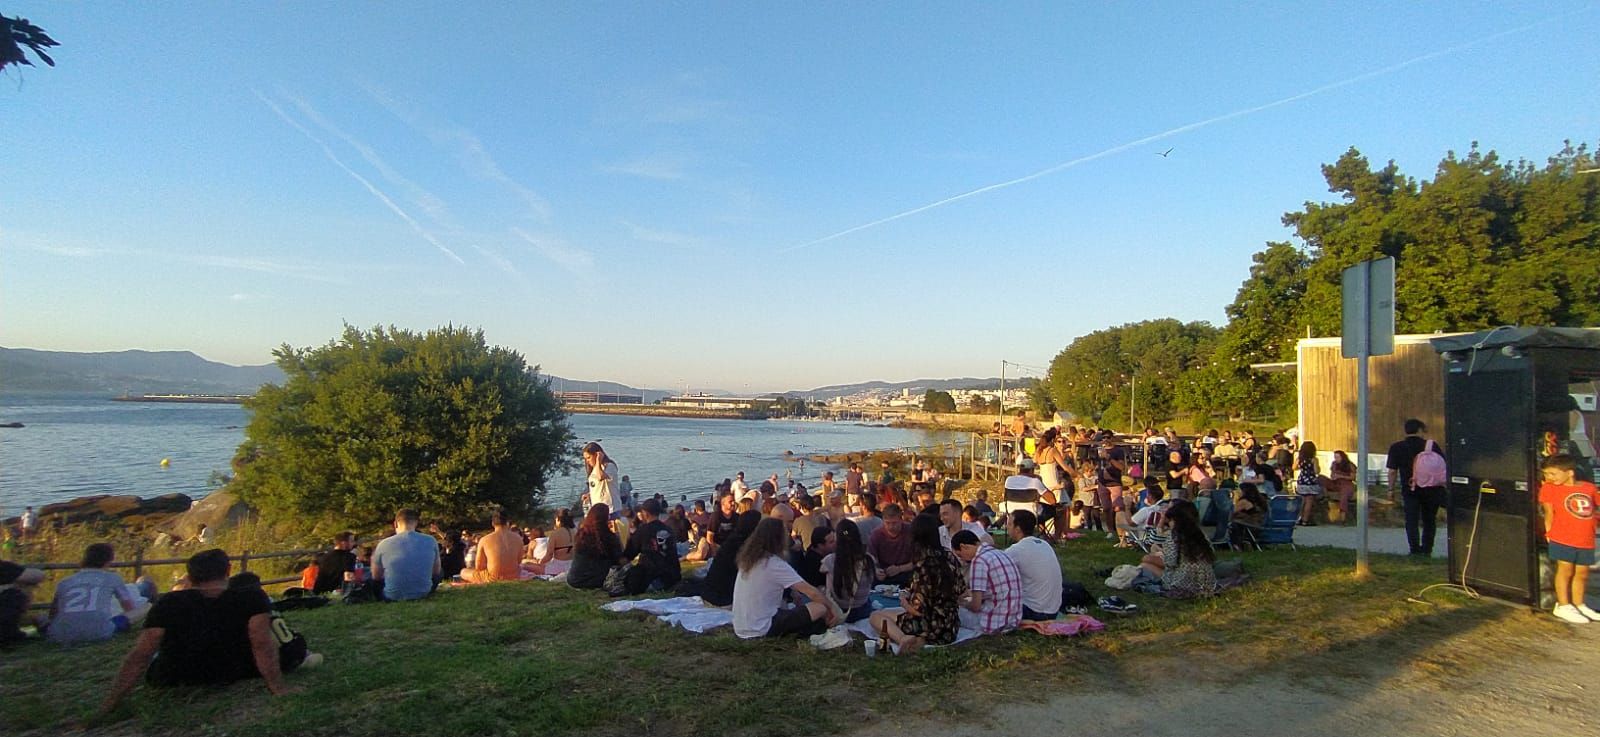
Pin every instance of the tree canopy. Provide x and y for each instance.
(16, 33)
(391, 418)
(935, 400)
(1484, 243)
(1095, 374)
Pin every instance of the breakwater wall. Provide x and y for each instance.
(654, 410)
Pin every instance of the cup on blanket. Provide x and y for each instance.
(872, 648)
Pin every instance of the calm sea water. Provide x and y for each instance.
(76, 445)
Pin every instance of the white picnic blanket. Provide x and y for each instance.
(689, 612)
(864, 628)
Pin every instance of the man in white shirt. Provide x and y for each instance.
(741, 491)
(1024, 490)
(1041, 570)
(951, 523)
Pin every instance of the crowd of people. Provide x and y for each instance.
(787, 563)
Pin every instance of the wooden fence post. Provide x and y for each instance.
(244, 561)
(138, 562)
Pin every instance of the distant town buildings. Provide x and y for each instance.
(912, 397)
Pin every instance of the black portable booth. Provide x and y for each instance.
(1511, 395)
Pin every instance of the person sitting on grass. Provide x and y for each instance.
(982, 503)
(1037, 563)
(993, 603)
(499, 553)
(94, 603)
(595, 550)
(866, 516)
(292, 650)
(334, 564)
(951, 522)
(17, 584)
(406, 563)
(927, 614)
(848, 573)
(724, 568)
(972, 515)
(557, 555)
(1183, 556)
(656, 550)
(204, 635)
(1567, 505)
(764, 574)
(808, 563)
(891, 546)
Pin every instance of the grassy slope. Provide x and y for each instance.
(539, 658)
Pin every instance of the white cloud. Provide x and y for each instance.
(473, 156)
(371, 188)
(663, 166)
(664, 237)
(573, 259)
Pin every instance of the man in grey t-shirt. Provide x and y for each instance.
(94, 603)
(407, 562)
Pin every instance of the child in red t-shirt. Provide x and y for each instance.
(1569, 523)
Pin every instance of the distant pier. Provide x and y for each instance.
(184, 398)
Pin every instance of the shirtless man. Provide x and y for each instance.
(499, 554)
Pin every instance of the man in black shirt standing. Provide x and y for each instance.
(205, 635)
(1421, 505)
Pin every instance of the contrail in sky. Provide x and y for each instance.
(378, 193)
(1170, 133)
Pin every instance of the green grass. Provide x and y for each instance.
(536, 658)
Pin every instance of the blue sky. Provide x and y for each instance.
(646, 193)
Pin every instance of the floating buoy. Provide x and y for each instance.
(166, 462)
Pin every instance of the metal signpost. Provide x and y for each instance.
(1368, 292)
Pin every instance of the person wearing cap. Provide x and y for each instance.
(656, 549)
(993, 602)
(1024, 489)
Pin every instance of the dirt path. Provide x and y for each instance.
(1470, 684)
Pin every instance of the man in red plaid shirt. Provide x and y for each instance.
(994, 584)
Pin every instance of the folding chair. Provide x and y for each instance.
(1283, 514)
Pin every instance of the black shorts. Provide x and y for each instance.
(796, 622)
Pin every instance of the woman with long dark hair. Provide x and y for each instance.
(1342, 483)
(764, 574)
(557, 554)
(724, 566)
(1308, 482)
(601, 472)
(849, 572)
(927, 612)
(1183, 555)
(595, 550)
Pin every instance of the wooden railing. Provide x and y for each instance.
(139, 562)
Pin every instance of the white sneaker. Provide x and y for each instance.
(1569, 613)
(1587, 612)
(312, 660)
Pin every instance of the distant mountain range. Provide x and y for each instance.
(157, 372)
(133, 372)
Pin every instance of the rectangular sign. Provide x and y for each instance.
(1368, 292)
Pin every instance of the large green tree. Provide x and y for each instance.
(1484, 243)
(388, 418)
(1095, 375)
